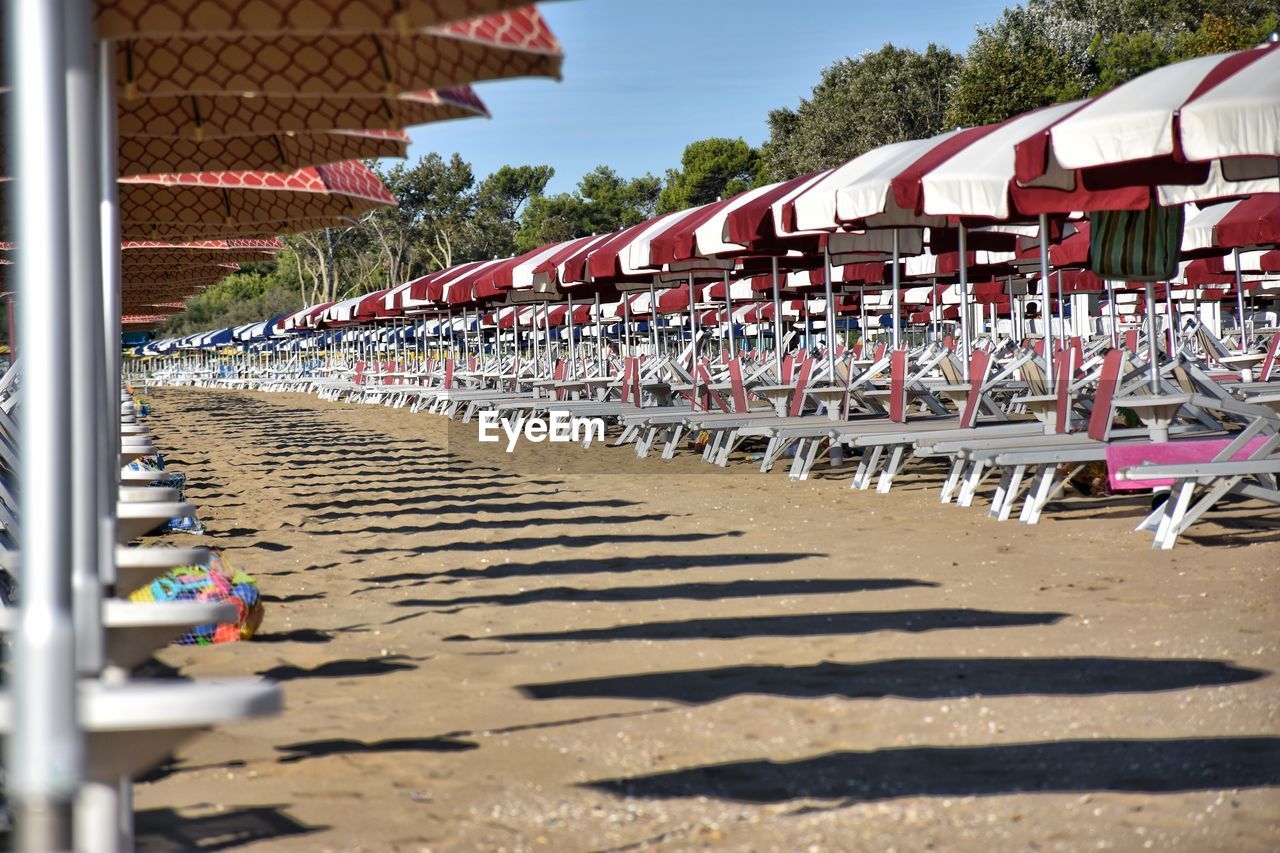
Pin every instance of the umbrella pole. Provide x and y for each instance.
(1044, 291)
(897, 285)
(626, 328)
(1171, 319)
(653, 315)
(1111, 310)
(1153, 337)
(728, 316)
(573, 350)
(964, 302)
(693, 329)
(1062, 314)
(1235, 254)
(91, 501)
(777, 321)
(599, 337)
(831, 313)
(45, 755)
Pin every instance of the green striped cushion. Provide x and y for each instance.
(1136, 245)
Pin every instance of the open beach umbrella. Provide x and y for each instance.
(122, 19)
(197, 205)
(509, 44)
(1204, 128)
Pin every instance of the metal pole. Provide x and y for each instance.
(653, 315)
(1153, 337)
(45, 750)
(89, 500)
(831, 314)
(1171, 319)
(728, 315)
(1111, 309)
(1235, 254)
(777, 323)
(573, 351)
(897, 284)
(964, 303)
(1062, 314)
(109, 223)
(599, 336)
(1044, 292)
(693, 329)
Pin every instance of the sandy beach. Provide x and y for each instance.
(575, 650)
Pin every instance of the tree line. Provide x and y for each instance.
(1038, 53)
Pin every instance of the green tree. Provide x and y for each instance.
(603, 201)
(501, 200)
(859, 104)
(710, 169)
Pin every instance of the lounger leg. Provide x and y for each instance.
(713, 444)
(890, 469)
(1002, 489)
(1202, 506)
(1011, 493)
(810, 458)
(730, 442)
(953, 480)
(860, 475)
(977, 474)
(1175, 510)
(871, 459)
(673, 441)
(802, 446)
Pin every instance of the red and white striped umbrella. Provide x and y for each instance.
(205, 117)
(515, 43)
(198, 205)
(1211, 123)
(1252, 222)
(132, 19)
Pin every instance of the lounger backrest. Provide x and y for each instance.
(1065, 367)
(1033, 375)
(802, 385)
(1078, 349)
(979, 370)
(448, 373)
(949, 342)
(358, 376)
(788, 365)
(635, 383)
(1108, 382)
(739, 389)
(898, 386)
(1131, 341)
(1269, 363)
(627, 365)
(881, 349)
(950, 370)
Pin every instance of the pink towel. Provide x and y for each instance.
(1167, 453)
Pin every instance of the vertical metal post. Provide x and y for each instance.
(109, 223)
(45, 749)
(964, 303)
(897, 285)
(1235, 254)
(777, 320)
(1111, 310)
(693, 328)
(1062, 314)
(653, 315)
(573, 345)
(1045, 313)
(85, 323)
(728, 315)
(1153, 337)
(831, 313)
(599, 336)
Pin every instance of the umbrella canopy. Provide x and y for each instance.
(1213, 121)
(202, 117)
(276, 152)
(120, 19)
(508, 44)
(204, 204)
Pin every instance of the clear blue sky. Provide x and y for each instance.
(642, 78)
